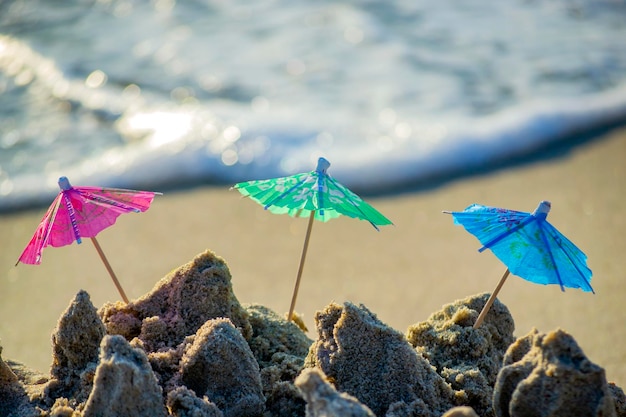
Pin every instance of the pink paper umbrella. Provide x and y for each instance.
(79, 212)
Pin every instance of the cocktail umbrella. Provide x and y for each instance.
(528, 245)
(315, 195)
(79, 212)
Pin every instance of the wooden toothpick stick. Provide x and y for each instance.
(491, 299)
(301, 268)
(108, 267)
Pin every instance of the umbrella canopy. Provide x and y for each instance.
(312, 193)
(315, 195)
(82, 212)
(528, 245)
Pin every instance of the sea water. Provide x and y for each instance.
(152, 94)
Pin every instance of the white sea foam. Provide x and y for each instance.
(168, 94)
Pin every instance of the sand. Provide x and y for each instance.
(189, 348)
(402, 273)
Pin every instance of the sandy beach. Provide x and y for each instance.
(402, 273)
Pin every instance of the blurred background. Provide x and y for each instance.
(155, 94)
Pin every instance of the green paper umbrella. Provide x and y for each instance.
(315, 195)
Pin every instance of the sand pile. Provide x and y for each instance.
(189, 348)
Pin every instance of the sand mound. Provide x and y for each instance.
(189, 348)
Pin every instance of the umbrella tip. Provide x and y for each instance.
(322, 165)
(543, 208)
(64, 183)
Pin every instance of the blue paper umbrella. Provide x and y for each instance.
(528, 245)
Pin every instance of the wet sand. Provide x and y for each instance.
(402, 273)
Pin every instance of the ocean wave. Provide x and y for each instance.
(157, 95)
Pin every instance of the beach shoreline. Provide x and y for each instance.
(402, 273)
